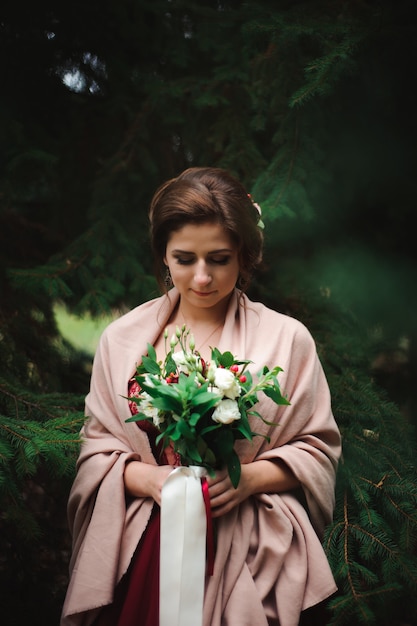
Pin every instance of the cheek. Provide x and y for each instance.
(179, 274)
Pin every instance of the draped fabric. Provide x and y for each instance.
(137, 593)
(136, 598)
(270, 564)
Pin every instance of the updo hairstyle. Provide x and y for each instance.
(200, 195)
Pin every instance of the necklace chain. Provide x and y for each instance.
(204, 341)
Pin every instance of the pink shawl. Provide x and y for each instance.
(270, 563)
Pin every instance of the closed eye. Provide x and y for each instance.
(185, 261)
(224, 260)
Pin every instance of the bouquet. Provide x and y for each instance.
(202, 408)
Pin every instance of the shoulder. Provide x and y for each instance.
(270, 322)
(141, 324)
(134, 316)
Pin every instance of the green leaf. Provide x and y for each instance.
(256, 414)
(138, 417)
(151, 352)
(194, 419)
(159, 389)
(192, 455)
(215, 355)
(167, 434)
(175, 432)
(243, 426)
(210, 428)
(152, 367)
(186, 383)
(224, 442)
(170, 365)
(234, 468)
(209, 459)
(226, 359)
(204, 401)
(185, 430)
(167, 403)
(275, 395)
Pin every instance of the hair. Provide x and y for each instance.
(200, 195)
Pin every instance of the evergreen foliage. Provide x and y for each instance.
(310, 104)
(372, 543)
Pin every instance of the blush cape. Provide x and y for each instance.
(270, 564)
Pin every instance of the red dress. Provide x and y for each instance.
(136, 599)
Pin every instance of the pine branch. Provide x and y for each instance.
(37, 432)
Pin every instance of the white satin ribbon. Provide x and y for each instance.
(183, 549)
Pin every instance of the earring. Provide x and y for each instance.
(168, 279)
(242, 282)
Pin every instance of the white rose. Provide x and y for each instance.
(150, 411)
(226, 381)
(226, 412)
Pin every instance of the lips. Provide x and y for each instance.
(203, 294)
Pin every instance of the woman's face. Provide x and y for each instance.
(204, 266)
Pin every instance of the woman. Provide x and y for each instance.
(269, 564)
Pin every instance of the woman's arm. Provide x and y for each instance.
(256, 477)
(143, 480)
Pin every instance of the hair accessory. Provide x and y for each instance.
(258, 208)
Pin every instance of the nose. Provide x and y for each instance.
(202, 276)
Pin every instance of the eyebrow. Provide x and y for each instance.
(220, 251)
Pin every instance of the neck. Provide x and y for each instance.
(198, 317)
(205, 333)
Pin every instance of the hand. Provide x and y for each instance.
(256, 477)
(144, 480)
(223, 496)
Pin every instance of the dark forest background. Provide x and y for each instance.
(312, 105)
